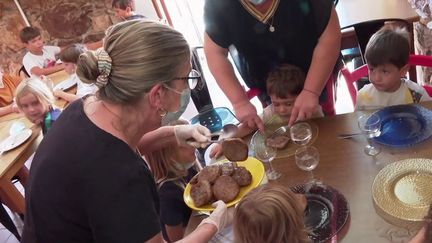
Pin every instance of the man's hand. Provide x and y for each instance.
(247, 114)
(306, 104)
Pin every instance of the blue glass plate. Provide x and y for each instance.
(404, 125)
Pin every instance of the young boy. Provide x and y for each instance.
(387, 54)
(284, 84)
(69, 56)
(125, 9)
(40, 59)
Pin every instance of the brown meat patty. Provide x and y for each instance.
(225, 188)
(235, 149)
(278, 141)
(201, 193)
(209, 173)
(228, 168)
(242, 176)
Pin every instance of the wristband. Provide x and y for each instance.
(312, 92)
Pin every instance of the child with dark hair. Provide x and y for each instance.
(125, 9)
(40, 59)
(283, 84)
(387, 54)
(69, 56)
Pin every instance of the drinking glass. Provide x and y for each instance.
(307, 159)
(301, 133)
(370, 125)
(267, 154)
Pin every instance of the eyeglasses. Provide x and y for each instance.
(192, 78)
(173, 90)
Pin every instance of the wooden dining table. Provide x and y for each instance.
(12, 162)
(344, 166)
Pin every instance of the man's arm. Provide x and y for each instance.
(324, 58)
(222, 70)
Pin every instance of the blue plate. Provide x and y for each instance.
(214, 119)
(404, 125)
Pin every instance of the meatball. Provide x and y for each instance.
(242, 176)
(201, 193)
(235, 149)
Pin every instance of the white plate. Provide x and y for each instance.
(207, 158)
(67, 84)
(16, 140)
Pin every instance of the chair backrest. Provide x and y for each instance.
(22, 72)
(352, 76)
(365, 30)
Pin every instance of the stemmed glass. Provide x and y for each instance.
(301, 133)
(267, 154)
(370, 125)
(307, 159)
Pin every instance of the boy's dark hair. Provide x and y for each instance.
(285, 80)
(388, 45)
(123, 4)
(72, 53)
(28, 33)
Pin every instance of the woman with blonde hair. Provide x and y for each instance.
(270, 213)
(173, 166)
(88, 182)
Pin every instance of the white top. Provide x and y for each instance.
(409, 92)
(45, 60)
(83, 88)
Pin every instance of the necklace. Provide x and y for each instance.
(271, 27)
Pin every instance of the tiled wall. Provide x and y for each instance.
(62, 22)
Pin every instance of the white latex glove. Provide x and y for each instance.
(220, 217)
(194, 135)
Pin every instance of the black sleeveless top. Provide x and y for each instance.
(298, 25)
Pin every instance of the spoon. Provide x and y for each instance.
(228, 131)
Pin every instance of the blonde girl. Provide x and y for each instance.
(270, 213)
(35, 100)
(173, 166)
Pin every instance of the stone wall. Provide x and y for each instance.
(62, 22)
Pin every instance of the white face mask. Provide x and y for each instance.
(173, 116)
(257, 2)
(184, 166)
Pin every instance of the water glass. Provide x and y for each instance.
(266, 154)
(307, 159)
(370, 125)
(301, 133)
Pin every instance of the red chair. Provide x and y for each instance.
(352, 76)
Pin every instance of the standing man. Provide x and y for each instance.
(125, 10)
(266, 33)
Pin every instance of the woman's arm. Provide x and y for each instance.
(175, 233)
(157, 139)
(222, 70)
(324, 58)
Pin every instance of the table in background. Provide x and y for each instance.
(12, 162)
(58, 77)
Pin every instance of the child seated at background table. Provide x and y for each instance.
(69, 56)
(40, 59)
(36, 100)
(270, 213)
(173, 167)
(8, 84)
(284, 84)
(387, 54)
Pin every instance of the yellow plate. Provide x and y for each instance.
(403, 190)
(254, 166)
